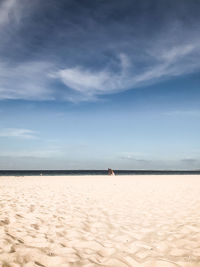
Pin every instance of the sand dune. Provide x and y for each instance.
(100, 221)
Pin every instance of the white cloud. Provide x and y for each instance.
(139, 157)
(12, 12)
(191, 113)
(177, 52)
(33, 80)
(7, 9)
(83, 80)
(45, 153)
(25, 81)
(18, 133)
(164, 58)
(166, 63)
(91, 83)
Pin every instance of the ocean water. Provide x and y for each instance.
(92, 172)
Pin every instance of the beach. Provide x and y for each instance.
(111, 221)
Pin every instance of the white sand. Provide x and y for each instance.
(100, 221)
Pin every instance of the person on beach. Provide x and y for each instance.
(111, 172)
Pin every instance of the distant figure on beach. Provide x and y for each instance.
(110, 172)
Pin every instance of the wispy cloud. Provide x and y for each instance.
(94, 58)
(25, 81)
(7, 10)
(35, 80)
(18, 133)
(190, 113)
(189, 160)
(172, 62)
(89, 83)
(13, 11)
(43, 153)
(140, 158)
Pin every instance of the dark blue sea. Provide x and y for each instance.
(92, 172)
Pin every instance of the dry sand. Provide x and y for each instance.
(100, 221)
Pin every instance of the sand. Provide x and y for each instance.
(100, 221)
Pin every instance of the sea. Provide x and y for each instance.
(94, 172)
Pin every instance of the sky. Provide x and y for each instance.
(97, 84)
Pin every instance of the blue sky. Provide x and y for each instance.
(98, 84)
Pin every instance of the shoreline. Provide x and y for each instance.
(69, 173)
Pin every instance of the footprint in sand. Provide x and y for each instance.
(31, 208)
(35, 226)
(4, 222)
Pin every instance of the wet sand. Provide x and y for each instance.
(106, 221)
